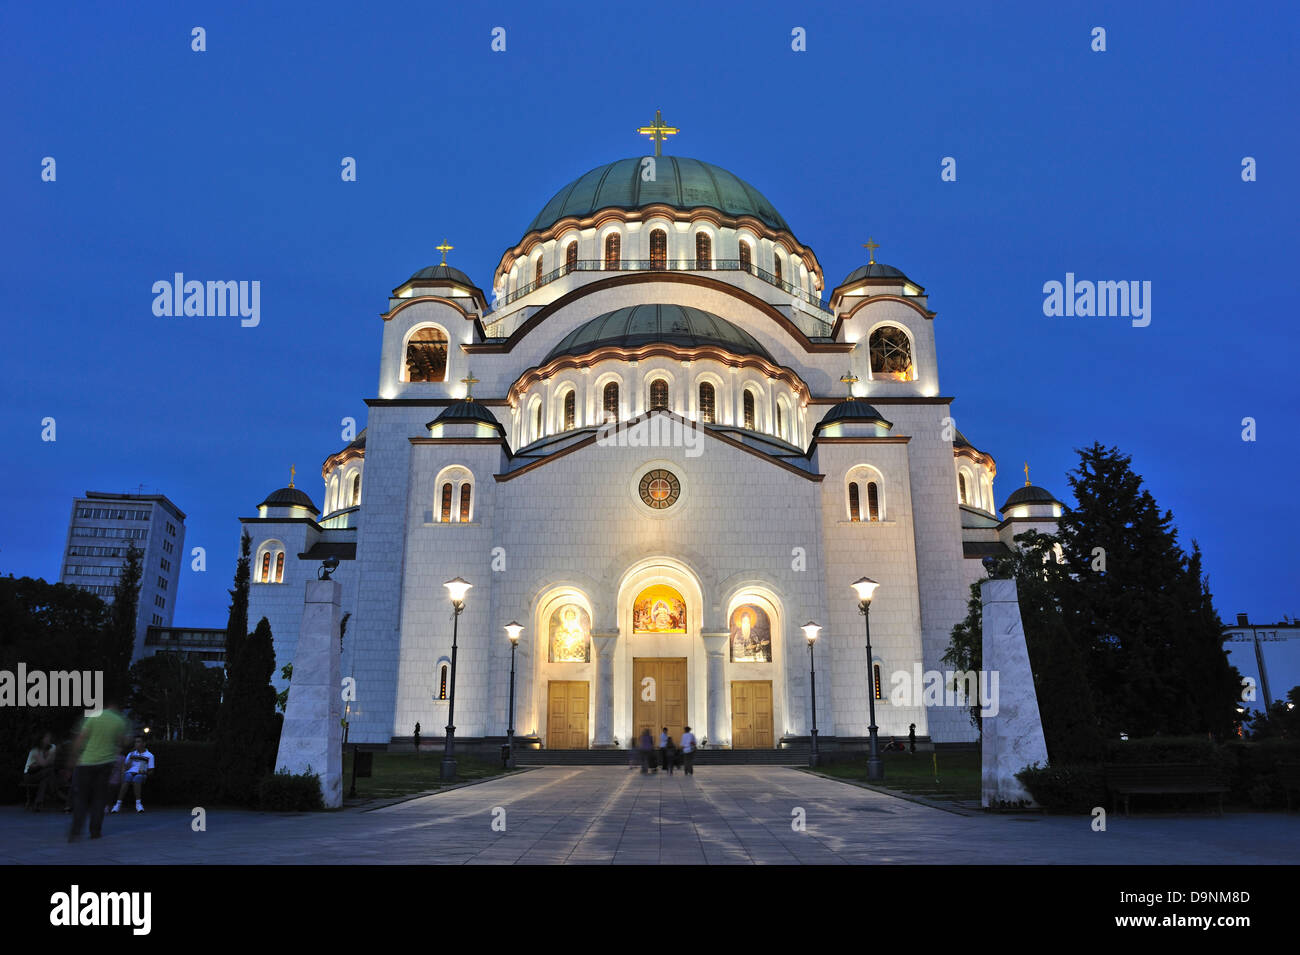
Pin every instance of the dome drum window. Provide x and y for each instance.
(659, 395)
(703, 251)
(613, 251)
(658, 250)
(609, 401)
(708, 403)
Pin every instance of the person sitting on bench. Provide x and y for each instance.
(41, 767)
(137, 765)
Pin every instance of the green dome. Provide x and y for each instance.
(443, 273)
(873, 270)
(679, 182)
(637, 325)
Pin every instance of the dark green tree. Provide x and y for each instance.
(237, 621)
(248, 729)
(1139, 608)
(123, 615)
(176, 695)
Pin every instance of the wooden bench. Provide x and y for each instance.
(1288, 774)
(1128, 779)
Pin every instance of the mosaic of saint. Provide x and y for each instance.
(570, 628)
(751, 635)
(659, 609)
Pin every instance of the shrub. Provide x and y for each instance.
(1065, 788)
(1253, 776)
(284, 791)
(184, 774)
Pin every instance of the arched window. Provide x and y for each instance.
(864, 482)
(609, 401)
(465, 501)
(659, 395)
(659, 249)
(537, 272)
(708, 403)
(356, 489)
(266, 568)
(537, 420)
(855, 512)
(612, 250)
(780, 420)
(776, 267)
(749, 409)
(891, 353)
(426, 355)
(746, 256)
(873, 501)
(570, 409)
(442, 682)
(455, 495)
(571, 256)
(703, 251)
(961, 488)
(445, 511)
(279, 567)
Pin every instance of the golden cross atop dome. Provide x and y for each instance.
(658, 131)
(444, 249)
(871, 245)
(469, 381)
(1026, 474)
(849, 379)
(291, 474)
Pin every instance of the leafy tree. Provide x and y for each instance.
(248, 728)
(177, 695)
(1280, 721)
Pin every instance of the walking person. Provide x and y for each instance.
(666, 750)
(688, 752)
(646, 745)
(96, 751)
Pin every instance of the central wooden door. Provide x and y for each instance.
(659, 689)
(751, 714)
(566, 714)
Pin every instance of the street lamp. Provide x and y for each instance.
(513, 630)
(456, 589)
(865, 587)
(810, 631)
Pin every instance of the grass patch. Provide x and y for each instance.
(404, 774)
(959, 773)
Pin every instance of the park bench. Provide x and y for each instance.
(1128, 779)
(1288, 774)
(57, 790)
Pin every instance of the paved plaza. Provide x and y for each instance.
(604, 814)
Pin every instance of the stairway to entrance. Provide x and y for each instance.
(795, 755)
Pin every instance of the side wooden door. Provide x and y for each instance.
(566, 714)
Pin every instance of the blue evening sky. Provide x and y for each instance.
(225, 165)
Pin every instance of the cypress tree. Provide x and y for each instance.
(121, 630)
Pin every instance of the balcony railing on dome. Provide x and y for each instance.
(815, 324)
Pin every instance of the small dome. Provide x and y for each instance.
(853, 409)
(679, 182)
(637, 325)
(874, 270)
(289, 497)
(1029, 494)
(443, 273)
(470, 411)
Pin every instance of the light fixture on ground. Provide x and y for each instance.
(513, 630)
(865, 587)
(810, 631)
(456, 589)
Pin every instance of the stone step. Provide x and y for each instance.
(619, 757)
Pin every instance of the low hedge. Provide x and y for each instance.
(1254, 778)
(1065, 788)
(283, 791)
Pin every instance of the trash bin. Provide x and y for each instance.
(365, 762)
(505, 756)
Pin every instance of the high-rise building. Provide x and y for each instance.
(98, 534)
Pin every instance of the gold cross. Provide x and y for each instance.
(469, 381)
(444, 249)
(871, 245)
(1026, 474)
(291, 474)
(658, 131)
(849, 379)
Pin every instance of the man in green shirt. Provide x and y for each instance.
(97, 748)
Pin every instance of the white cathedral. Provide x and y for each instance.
(643, 453)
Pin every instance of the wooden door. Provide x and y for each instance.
(659, 689)
(751, 714)
(566, 714)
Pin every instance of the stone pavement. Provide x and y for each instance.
(606, 814)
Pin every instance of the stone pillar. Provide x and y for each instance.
(1012, 729)
(312, 734)
(715, 647)
(604, 644)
